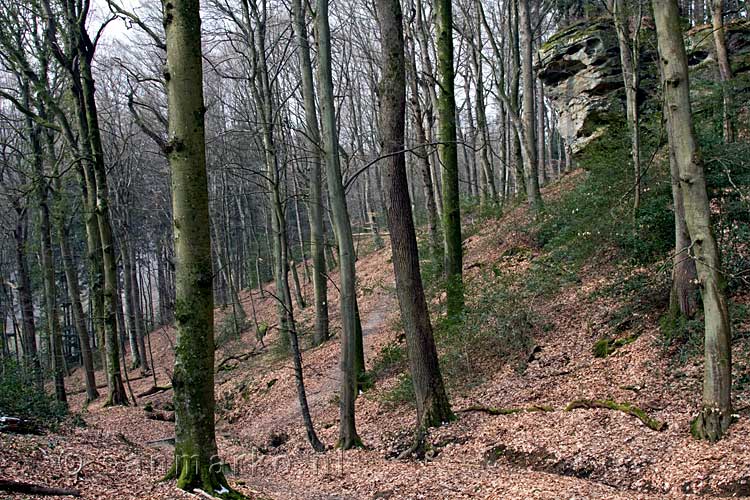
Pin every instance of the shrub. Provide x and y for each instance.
(19, 397)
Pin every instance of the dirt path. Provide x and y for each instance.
(322, 387)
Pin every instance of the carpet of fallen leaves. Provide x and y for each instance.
(594, 454)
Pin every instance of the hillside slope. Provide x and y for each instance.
(544, 362)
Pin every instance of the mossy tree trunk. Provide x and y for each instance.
(193, 380)
(432, 402)
(446, 105)
(41, 186)
(25, 301)
(715, 415)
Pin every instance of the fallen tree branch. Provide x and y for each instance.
(651, 423)
(627, 408)
(237, 357)
(33, 489)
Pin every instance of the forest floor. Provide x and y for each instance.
(550, 454)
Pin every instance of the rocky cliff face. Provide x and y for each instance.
(580, 69)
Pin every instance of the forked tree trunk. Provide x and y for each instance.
(716, 412)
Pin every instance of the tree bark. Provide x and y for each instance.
(725, 69)
(432, 402)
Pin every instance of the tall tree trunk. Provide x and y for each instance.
(48, 262)
(432, 402)
(348, 437)
(716, 413)
(193, 379)
(449, 157)
(423, 155)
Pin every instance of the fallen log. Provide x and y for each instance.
(627, 408)
(154, 390)
(18, 426)
(34, 489)
(651, 423)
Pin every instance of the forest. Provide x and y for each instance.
(374, 249)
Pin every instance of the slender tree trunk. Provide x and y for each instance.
(629, 64)
(527, 77)
(25, 300)
(74, 292)
(716, 413)
(348, 437)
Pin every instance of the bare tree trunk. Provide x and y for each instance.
(423, 154)
(25, 300)
(629, 63)
(193, 379)
(527, 77)
(716, 414)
